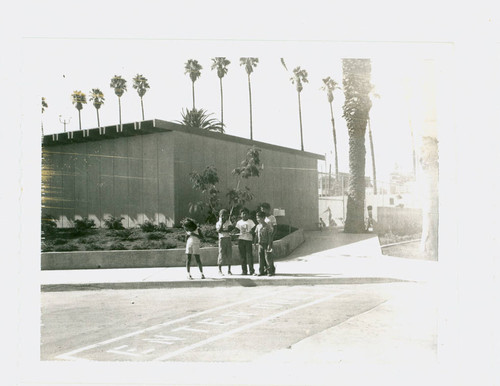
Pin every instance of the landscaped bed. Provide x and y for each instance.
(141, 238)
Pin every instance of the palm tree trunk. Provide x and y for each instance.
(142, 108)
(120, 110)
(373, 157)
(414, 157)
(98, 122)
(430, 197)
(335, 145)
(357, 73)
(355, 222)
(79, 120)
(192, 88)
(250, 98)
(221, 104)
(300, 121)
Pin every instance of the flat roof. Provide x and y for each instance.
(156, 126)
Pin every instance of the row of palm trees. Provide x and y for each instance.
(357, 88)
(298, 77)
(119, 85)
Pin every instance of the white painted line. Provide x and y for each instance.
(70, 355)
(242, 328)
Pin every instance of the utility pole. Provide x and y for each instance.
(64, 121)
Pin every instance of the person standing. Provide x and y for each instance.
(264, 239)
(245, 226)
(192, 245)
(224, 228)
(270, 219)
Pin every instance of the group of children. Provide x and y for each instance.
(261, 234)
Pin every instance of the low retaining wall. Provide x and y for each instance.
(154, 257)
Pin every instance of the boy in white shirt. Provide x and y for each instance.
(245, 226)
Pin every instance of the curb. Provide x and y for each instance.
(400, 243)
(210, 283)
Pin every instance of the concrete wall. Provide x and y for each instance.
(130, 177)
(398, 220)
(288, 181)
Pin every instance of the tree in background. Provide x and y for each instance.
(97, 99)
(193, 68)
(250, 64)
(44, 106)
(220, 64)
(206, 182)
(372, 151)
(329, 85)
(141, 85)
(357, 86)
(120, 86)
(298, 79)
(199, 119)
(79, 99)
(429, 160)
(249, 167)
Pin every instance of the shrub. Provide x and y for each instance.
(209, 231)
(155, 236)
(49, 226)
(148, 226)
(60, 241)
(66, 248)
(162, 227)
(123, 234)
(83, 226)
(181, 237)
(114, 223)
(88, 240)
(167, 245)
(117, 246)
(47, 247)
(143, 245)
(93, 247)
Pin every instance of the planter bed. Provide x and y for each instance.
(153, 257)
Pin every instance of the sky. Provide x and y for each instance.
(54, 68)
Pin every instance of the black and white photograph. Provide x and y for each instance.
(268, 204)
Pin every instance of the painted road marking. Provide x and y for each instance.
(195, 335)
(70, 355)
(243, 328)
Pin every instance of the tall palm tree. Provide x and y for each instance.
(329, 85)
(370, 137)
(250, 64)
(357, 86)
(120, 86)
(97, 97)
(79, 99)
(298, 79)
(220, 64)
(44, 106)
(141, 85)
(193, 68)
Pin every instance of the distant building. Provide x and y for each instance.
(141, 172)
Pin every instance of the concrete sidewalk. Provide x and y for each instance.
(327, 257)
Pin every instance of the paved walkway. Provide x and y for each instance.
(327, 257)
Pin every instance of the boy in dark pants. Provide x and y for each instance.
(245, 226)
(264, 238)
